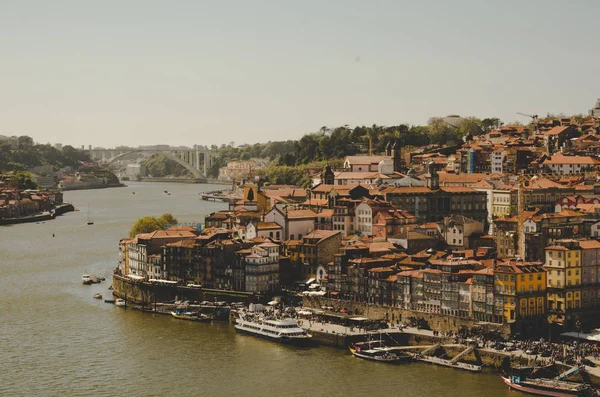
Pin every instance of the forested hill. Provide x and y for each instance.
(329, 145)
(18, 154)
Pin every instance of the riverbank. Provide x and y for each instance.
(90, 187)
(40, 217)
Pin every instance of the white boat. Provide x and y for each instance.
(97, 296)
(89, 220)
(120, 302)
(87, 279)
(381, 354)
(284, 330)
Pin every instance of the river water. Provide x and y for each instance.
(55, 340)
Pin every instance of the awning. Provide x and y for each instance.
(334, 293)
(304, 313)
(310, 280)
(359, 319)
(272, 303)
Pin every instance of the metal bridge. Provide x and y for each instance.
(197, 161)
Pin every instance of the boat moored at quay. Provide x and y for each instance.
(283, 330)
(549, 387)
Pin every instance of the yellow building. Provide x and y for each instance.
(563, 267)
(522, 287)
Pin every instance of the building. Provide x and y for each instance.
(520, 290)
(563, 267)
(237, 170)
(264, 229)
(262, 268)
(562, 164)
(433, 202)
(295, 223)
(459, 231)
(315, 251)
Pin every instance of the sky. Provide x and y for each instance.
(108, 73)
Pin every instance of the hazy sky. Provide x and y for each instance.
(209, 72)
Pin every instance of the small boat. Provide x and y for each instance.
(120, 302)
(133, 193)
(182, 314)
(87, 279)
(89, 220)
(109, 301)
(97, 296)
(381, 355)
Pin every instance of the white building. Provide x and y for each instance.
(262, 268)
(136, 170)
(498, 160)
(294, 223)
(562, 164)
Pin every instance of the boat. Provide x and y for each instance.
(89, 220)
(381, 354)
(283, 330)
(548, 387)
(97, 296)
(120, 302)
(183, 314)
(109, 301)
(87, 279)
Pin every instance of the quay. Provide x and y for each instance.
(217, 196)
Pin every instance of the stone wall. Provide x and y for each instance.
(436, 322)
(143, 293)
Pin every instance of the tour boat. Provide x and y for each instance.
(284, 330)
(549, 387)
(189, 316)
(381, 354)
(97, 296)
(120, 302)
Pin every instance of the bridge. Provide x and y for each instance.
(197, 161)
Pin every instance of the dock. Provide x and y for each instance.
(451, 363)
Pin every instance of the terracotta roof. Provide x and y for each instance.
(562, 159)
(301, 214)
(589, 244)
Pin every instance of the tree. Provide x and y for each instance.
(146, 224)
(149, 224)
(167, 219)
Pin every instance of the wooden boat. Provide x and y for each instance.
(549, 387)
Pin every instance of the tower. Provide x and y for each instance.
(328, 175)
(432, 179)
(397, 157)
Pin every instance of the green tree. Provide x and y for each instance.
(167, 219)
(146, 224)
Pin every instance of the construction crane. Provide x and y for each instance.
(533, 117)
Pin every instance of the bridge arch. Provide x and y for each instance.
(197, 173)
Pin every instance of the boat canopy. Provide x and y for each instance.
(156, 280)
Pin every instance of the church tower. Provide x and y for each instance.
(328, 176)
(432, 179)
(396, 157)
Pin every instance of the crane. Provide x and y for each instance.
(533, 117)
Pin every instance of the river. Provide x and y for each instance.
(55, 340)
